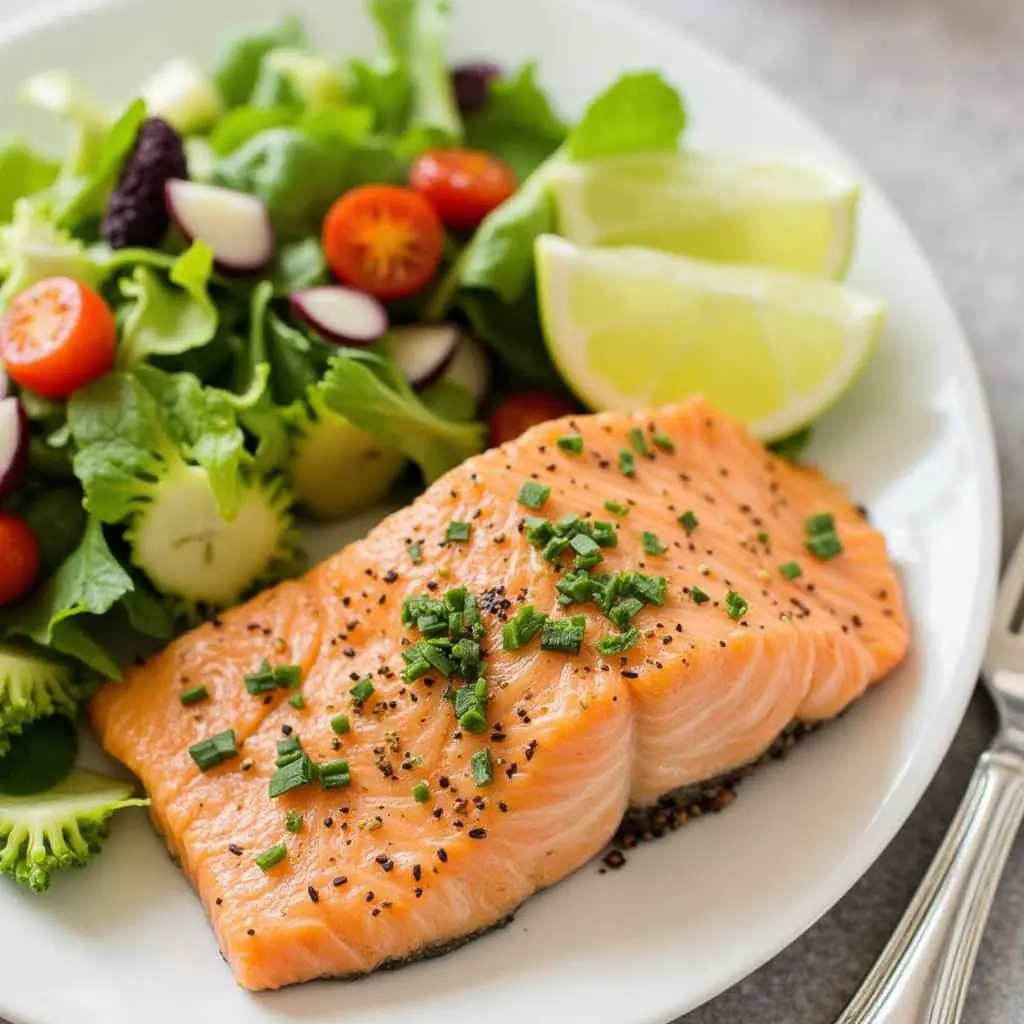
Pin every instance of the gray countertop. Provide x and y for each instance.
(928, 95)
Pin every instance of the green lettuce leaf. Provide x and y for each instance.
(518, 123)
(168, 320)
(513, 331)
(298, 265)
(382, 88)
(204, 426)
(61, 94)
(33, 247)
(23, 172)
(239, 58)
(369, 391)
(57, 519)
(121, 444)
(295, 175)
(311, 80)
(96, 181)
(414, 32)
(500, 257)
(146, 611)
(257, 411)
(639, 113)
(88, 584)
(241, 124)
(129, 428)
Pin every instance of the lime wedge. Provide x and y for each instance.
(630, 328)
(734, 209)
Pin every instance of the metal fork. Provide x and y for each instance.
(923, 974)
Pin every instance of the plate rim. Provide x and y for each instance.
(846, 872)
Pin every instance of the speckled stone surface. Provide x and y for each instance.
(928, 95)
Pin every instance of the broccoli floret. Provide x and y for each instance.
(34, 685)
(63, 827)
(198, 558)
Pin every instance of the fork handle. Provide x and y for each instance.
(923, 973)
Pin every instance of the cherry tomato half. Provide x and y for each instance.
(520, 412)
(383, 240)
(57, 336)
(20, 558)
(463, 185)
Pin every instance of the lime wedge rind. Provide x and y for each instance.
(753, 208)
(618, 352)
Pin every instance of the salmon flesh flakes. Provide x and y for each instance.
(492, 677)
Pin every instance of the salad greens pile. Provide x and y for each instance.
(171, 486)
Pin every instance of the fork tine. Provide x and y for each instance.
(1011, 589)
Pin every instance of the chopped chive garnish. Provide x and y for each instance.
(421, 792)
(698, 595)
(636, 439)
(554, 549)
(619, 644)
(689, 522)
(763, 537)
(617, 508)
(288, 750)
(563, 635)
(193, 695)
(533, 495)
(457, 532)
(571, 443)
(415, 552)
(299, 772)
(604, 533)
(436, 658)
(280, 677)
(790, 571)
(538, 530)
(521, 629)
(664, 442)
(824, 545)
(576, 587)
(340, 724)
(621, 614)
(482, 767)
(627, 463)
(362, 691)
(269, 858)
(822, 540)
(297, 701)
(651, 589)
(293, 822)
(473, 720)
(735, 605)
(821, 522)
(586, 546)
(334, 775)
(651, 544)
(213, 750)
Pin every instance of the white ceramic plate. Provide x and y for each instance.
(690, 915)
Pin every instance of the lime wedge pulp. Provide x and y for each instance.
(631, 328)
(788, 214)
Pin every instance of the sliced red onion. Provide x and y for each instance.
(236, 226)
(342, 315)
(424, 353)
(13, 444)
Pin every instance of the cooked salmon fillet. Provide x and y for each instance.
(375, 876)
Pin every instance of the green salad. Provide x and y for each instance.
(288, 286)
